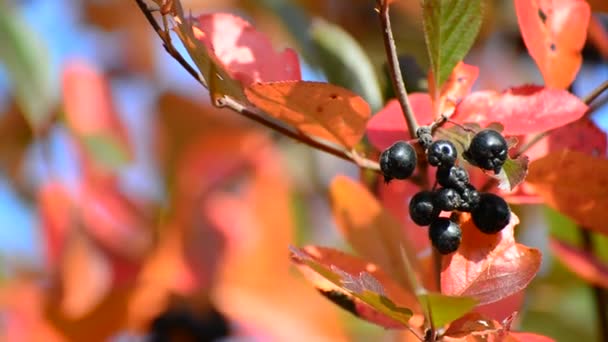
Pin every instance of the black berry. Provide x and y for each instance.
(470, 198)
(445, 235)
(398, 161)
(442, 153)
(425, 137)
(422, 208)
(452, 177)
(447, 199)
(492, 213)
(488, 150)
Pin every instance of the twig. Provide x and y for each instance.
(599, 295)
(165, 38)
(595, 93)
(256, 116)
(252, 113)
(394, 69)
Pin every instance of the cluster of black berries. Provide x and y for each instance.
(490, 213)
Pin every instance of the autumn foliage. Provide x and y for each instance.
(235, 240)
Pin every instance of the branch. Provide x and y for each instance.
(256, 116)
(394, 69)
(595, 93)
(253, 113)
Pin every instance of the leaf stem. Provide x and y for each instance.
(394, 69)
(595, 93)
(600, 297)
(253, 113)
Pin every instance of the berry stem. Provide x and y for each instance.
(594, 94)
(600, 297)
(394, 69)
(253, 113)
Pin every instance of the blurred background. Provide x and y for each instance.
(128, 205)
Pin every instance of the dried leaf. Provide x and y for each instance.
(372, 294)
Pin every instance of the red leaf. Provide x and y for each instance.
(503, 308)
(90, 111)
(522, 110)
(488, 267)
(388, 125)
(113, 219)
(319, 109)
(246, 53)
(580, 262)
(395, 197)
(55, 205)
(554, 33)
(575, 184)
(582, 135)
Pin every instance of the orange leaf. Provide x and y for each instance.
(488, 267)
(86, 276)
(373, 232)
(582, 263)
(105, 320)
(256, 227)
(455, 88)
(575, 184)
(22, 302)
(318, 109)
(554, 33)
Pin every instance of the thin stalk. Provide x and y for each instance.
(394, 69)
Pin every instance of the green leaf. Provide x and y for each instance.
(445, 309)
(106, 150)
(344, 61)
(25, 58)
(513, 172)
(450, 28)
